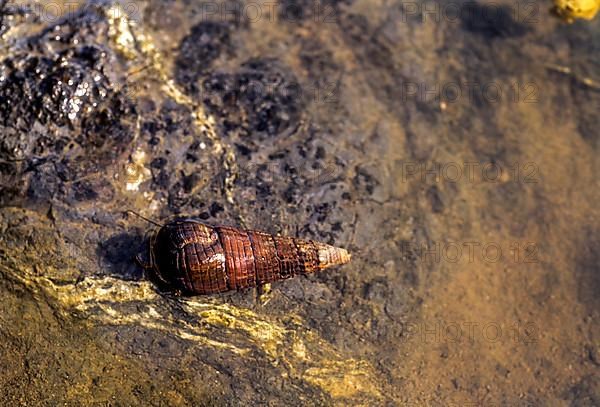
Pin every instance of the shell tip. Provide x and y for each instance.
(345, 256)
(332, 256)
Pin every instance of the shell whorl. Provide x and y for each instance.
(196, 258)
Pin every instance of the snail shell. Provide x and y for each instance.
(195, 258)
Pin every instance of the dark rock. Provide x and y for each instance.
(262, 99)
(70, 118)
(205, 43)
(492, 21)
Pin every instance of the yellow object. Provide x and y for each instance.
(569, 10)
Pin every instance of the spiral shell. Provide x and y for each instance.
(194, 258)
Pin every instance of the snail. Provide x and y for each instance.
(193, 258)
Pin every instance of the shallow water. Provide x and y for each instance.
(454, 157)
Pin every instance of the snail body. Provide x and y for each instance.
(195, 258)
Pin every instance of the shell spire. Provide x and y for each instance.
(331, 255)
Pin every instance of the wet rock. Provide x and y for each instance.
(585, 392)
(52, 90)
(296, 169)
(319, 60)
(434, 196)
(205, 43)
(296, 178)
(492, 21)
(262, 99)
(364, 181)
(586, 267)
(298, 11)
(8, 14)
(185, 171)
(61, 118)
(116, 252)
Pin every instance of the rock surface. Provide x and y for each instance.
(454, 156)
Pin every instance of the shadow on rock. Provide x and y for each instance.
(118, 255)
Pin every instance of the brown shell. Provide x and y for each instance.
(195, 258)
